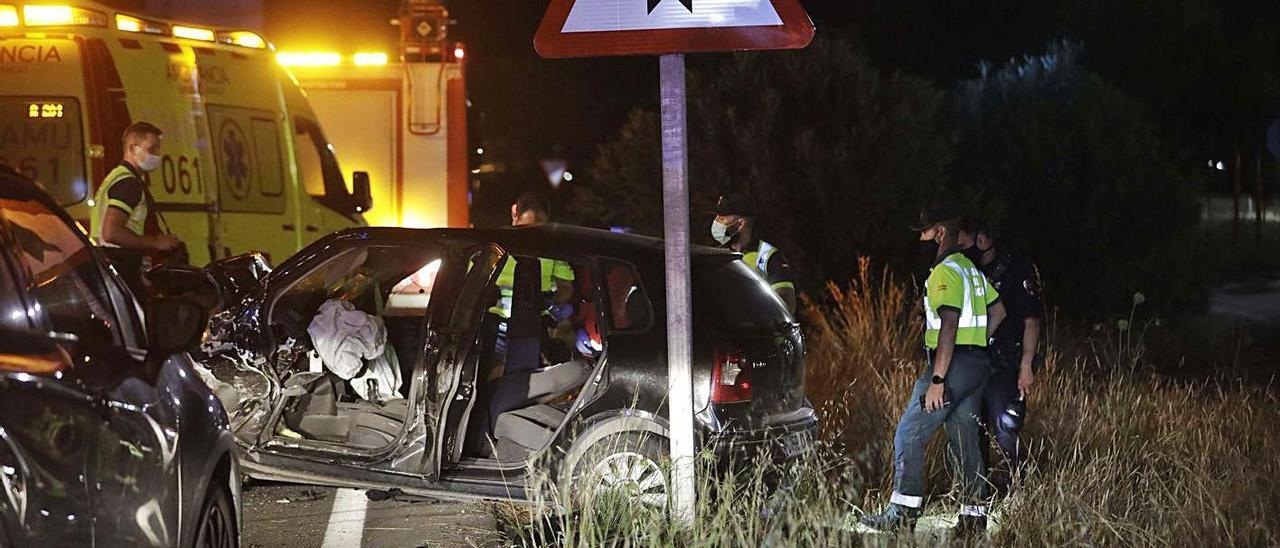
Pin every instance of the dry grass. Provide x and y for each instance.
(1120, 455)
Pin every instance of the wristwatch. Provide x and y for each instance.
(937, 379)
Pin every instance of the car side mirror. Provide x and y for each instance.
(637, 307)
(174, 325)
(361, 192)
(186, 282)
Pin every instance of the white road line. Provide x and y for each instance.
(346, 521)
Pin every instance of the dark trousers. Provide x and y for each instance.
(128, 263)
(521, 355)
(1002, 390)
(966, 379)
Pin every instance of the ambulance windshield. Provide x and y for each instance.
(41, 137)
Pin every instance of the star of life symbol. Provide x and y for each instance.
(235, 159)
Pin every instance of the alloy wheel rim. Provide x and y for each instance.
(633, 475)
(214, 530)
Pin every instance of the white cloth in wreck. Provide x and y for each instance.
(353, 345)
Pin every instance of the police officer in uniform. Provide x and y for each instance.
(1014, 347)
(123, 205)
(734, 227)
(962, 311)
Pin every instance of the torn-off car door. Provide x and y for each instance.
(453, 372)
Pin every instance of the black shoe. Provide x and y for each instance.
(895, 517)
(970, 527)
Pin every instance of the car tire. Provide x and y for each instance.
(217, 524)
(634, 462)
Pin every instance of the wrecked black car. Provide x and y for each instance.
(481, 363)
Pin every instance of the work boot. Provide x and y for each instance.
(894, 518)
(969, 528)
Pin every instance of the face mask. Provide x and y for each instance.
(928, 251)
(149, 162)
(720, 233)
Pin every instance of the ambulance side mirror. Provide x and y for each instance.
(361, 195)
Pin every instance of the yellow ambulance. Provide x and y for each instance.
(245, 165)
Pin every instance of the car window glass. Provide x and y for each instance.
(629, 306)
(322, 167)
(42, 138)
(394, 281)
(411, 295)
(480, 269)
(309, 169)
(12, 309)
(64, 280)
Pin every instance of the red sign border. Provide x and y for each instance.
(795, 32)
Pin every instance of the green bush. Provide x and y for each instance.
(838, 156)
(1076, 174)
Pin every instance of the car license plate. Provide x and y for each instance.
(796, 443)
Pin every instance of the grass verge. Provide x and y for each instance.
(1121, 454)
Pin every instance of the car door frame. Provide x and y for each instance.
(295, 455)
(456, 348)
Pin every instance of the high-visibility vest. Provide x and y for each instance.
(137, 220)
(758, 259)
(956, 283)
(552, 270)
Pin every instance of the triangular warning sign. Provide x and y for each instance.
(592, 28)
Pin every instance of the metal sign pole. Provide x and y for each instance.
(675, 202)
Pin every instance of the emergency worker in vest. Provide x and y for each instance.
(520, 336)
(1014, 347)
(123, 204)
(734, 227)
(962, 311)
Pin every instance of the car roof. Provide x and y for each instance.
(550, 239)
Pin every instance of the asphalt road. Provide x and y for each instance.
(279, 515)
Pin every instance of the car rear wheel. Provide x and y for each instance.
(630, 465)
(217, 521)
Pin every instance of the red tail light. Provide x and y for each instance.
(730, 376)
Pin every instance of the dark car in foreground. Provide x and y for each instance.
(108, 436)
(372, 359)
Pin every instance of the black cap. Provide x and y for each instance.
(734, 204)
(939, 212)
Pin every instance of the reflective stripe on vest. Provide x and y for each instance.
(137, 220)
(507, 281)
(759, 260)
(972, 328)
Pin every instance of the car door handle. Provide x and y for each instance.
(290, 228)
(311, 228)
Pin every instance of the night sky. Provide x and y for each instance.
(1206, 68)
